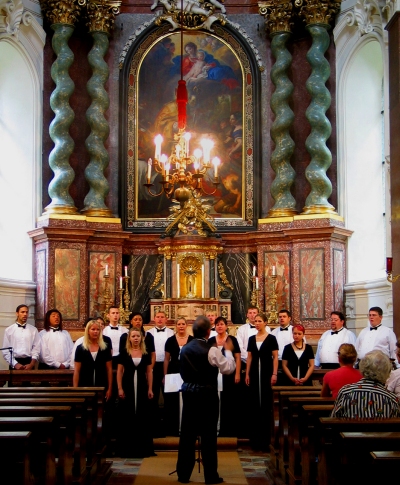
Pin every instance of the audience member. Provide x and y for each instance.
(376, 336)
(172, 400)
(199, 371)
(330, 341)
(114, 332)
(229, 382)
(56, 343)
(261, 374)
(346, 374)
(135, 380)
(368, 398)
(298, 359)
(393, 383)
(24, 340)
(93, 366)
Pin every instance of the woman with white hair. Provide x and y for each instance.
(368, 398)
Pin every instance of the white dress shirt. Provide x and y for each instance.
(160, 337)
(72, 358)
(283, 337)
(24, 341)
(226, 364)
(383, 338)
(115, 336)
(243, 334)
(56, 348)
(328, 345)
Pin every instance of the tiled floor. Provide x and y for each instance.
(255, 467)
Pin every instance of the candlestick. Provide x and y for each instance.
(120, 282)
(256, 282)
(254, 270)
(126, 270)
(273, 270)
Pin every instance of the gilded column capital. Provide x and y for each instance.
(317, 11)
(62, 12)
(101, 15)
(278, 15)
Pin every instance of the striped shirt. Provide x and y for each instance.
(366, 399)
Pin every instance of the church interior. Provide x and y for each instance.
(293, 203)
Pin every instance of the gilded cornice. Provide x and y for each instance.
(101, 15)
(278, 15)
(317, 12)
(209, 251)
(64, 12)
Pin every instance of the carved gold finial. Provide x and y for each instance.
(277, 14)
(316, 11)
(62, 12)
(101, 15)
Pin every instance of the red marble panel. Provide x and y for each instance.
(40, 284)
(67, 282)
(312, 284)
(338, 279)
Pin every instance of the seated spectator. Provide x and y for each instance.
(368, 398)
(393, 383)
(346, 374)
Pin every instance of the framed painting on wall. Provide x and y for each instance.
(338, 279)
(312, 284)
(220, 84)
(281, 261)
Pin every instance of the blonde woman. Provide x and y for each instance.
(135, 381)
(93, 360)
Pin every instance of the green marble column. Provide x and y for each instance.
(278, 20)
(101, 16)
(317, 16)
(62, 17)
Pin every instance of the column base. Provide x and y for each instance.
(60, 209)
(319, 209)
(93, 212)
(282, 213)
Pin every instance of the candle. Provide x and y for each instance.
(163, 161)
(106, 270)
(187, 136)
(126, 270)
(216, 162)
(256, 282)
(389, 263)
(206, 144)
(254, 270)
(273, 270)
(178, 151)
(177, 278)
(120, 282)
(158, 140)
(167, 167)
(202, 280)
(149, 162)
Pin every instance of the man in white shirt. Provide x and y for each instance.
(114, 332)
(330, 341)
(376, 336)
(212, 315)
(56, 343)
(284, 336)
(160, 333)
(24, 341)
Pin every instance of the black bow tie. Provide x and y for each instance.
(55, 329)
(252, 326)
(374, 328)
(161, 329)
(21, 326)
(113, 328)
(284, 329)
(212, 329)
(335, 333)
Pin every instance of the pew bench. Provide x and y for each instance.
(15, 457)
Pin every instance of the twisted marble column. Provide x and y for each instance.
(101, 17)
(62, 17)
(278, 17)
(317, 16)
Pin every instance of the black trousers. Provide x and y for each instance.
(199, 418)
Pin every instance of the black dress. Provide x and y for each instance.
(294, 363)
(134, 437)
(260, 404)
(93, 373)
(229, 395)
(171, 399)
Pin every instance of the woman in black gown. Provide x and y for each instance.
(136, 320)
(93, 360)
(261, 374)
(135, 381)
(172, 400)
(228, 396)
(298, 359)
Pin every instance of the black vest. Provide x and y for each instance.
(195, 368)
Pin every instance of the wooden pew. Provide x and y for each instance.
(295, 445)
(329, 471)
(42, 434)
(14, 457)
(39, 377)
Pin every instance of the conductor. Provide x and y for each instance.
(199, 371)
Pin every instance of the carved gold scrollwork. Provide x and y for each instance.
(157, 278)
(62, 12)
(223, 277)
(278, 15)
(317, 12)
(101, 15)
